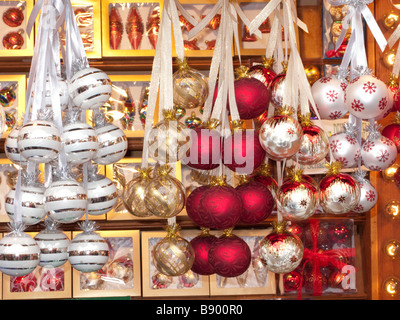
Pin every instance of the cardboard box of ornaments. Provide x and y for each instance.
(331, 264)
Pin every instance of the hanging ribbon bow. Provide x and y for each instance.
(395, 36)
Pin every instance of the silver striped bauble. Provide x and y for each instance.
(39, 141)
(102, 195)
(90, 88)
(88, 252)
(113, 144)
(19, 254)
(80, 142)
(65, 201)
(11, 148)
(32, 204)
(53, 248)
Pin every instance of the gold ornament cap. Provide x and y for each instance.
(265, 170)
(145, 173)
(218, 181)
(268, 62)
(243, 179)
(169, 115)
(393, 80)
(211, 124)
(305, 119)
(228, 233)
(279, 227)
(172, 230)
(284, 111)
(333, 168)
(164, 170)
(182, 64)
(242, 72)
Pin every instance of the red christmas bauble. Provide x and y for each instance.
(13, 17)
(242, 152)
(263, 74)
(13, 41)
(396, 100)
(26, 283)
(201, 246)
(205, 149)
(340, 234)
(257, 202)
(230, 256)
(193, 207)
(291, 281)
(267, 181)
(392, 131)
(221, 207)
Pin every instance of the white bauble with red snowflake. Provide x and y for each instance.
(368, 193)
(367, 97)
(378, 152)
(328, 94)
(388, 108)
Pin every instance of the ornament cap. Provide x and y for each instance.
(228, 233)
(172, 230)
(279, 226)
(164, 170)
(265, 170)
(333, 168)
(237, 125)
(218, 181)
(169, 115)
(205, 232)
(144, 173)
(268, 62)
(242, 72)
(393, 80)
(212, 124)
(182, 64)
(243, 179)
(305, 120)
(285, 111)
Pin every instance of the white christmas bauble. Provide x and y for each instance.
(88, 252)
(19, 254)
(366, 97)
(39, 141)
(53, 248)
(90, 88)
(368, 197)
(32, 202)
(102, 195)
(11, 147)
(328, 94)
(344, 148)
(80, 142)
(378, 152)
(113, 144)
(65, 201)
(314, 146)
(63, 90)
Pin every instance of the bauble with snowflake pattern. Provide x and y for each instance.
(368, 195)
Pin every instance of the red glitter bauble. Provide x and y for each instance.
(242, 152)
(257, 202)
(201, 246)
(230, 256)
(392, 131)
(291, 281)
(205, 149)
(221, 207)
(13, 17)
(193, 207)
(13, 41)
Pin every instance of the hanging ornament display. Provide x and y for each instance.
(164, 195)
(201, 246)
(116, 29)
(314, 143)
(229, 255)
(11, 147)
(368, 193)
(263, 72)
(13, 246)
(193, 207)
(88, 251)
(297, 199)
(53, 245)
(257, 201)
(281, 251)
(277, 87)
(134, 28)
(378, 152)
(339, 193)
(134, 194)
(63, 90)
(281, 135)
(392, 131)
(205, 149)
(173, 255)
(190, 87)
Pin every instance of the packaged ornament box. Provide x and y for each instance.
(331, 261)
(130, 28)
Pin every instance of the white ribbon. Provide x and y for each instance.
(394, 37)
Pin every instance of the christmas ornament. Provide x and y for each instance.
(378, 152)
(281, 135)
(297, 199)
(263, 72)
(13, 17)
(191, 45)
(65, 200)
(11, 147)
(52, 280)
(193, 121)
(205, 149)
(340, 234)
(190, 87)
(79, 139)
(134, 194)
(265, 26)
(164, 195)
(31, 195)
(214, 22)
(293, 170)
(161, 281)
(314, 144)
(257, 201)
(153, 26)
(366, 97)
(26, 283)
(192, 207)
(386, 110)
(53, 245)
(210, 44)
(112, 141)
(90, 88)
(247, 37)
(318, 237)
(220, 206)
(242, 151)
(201, 246)
(259, 268)
(281, 251)
(277, 87)
(328, 94)
(173, 255)
(310, 278)
(368, 194)
(116, 28)
(392, 131)
(263, 175)
(396, 100)
(229, 255)
(313, 74)
(7, 96)
(13, 40)
(188, 279)
(88, 251)
(185, 25)
(291, 281)
(63, 90)
(134, 28)
(19, 253)
(169, 139)
(39, 141)
(338, 192)
(344, 147)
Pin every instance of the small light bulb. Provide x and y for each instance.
(392, 249)
(392, 209)
(388, 174)
(392, 286)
